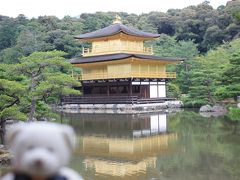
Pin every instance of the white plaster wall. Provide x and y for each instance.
(136, 83)
(162, 90)
(153, 91)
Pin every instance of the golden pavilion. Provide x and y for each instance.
(119, 68)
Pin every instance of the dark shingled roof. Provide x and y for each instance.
(115, 29)
(119, 56)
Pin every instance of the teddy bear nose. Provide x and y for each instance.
(38, 163)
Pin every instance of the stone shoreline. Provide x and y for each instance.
(120, 108)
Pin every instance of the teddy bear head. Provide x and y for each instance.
(40, 148)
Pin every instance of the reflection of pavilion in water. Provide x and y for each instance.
(123, 145)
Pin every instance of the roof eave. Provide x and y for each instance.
(125, 56)
(99, 37)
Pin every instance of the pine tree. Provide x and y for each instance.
(230, 79)
(46, 79)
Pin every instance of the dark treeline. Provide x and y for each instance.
(205, 26)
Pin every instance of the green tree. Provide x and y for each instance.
(10, 55)
(170, 47)
(202, 85)
(213, 37)
(173, 90)
(33, 38)
(230, 79)
(11, 95)
(205, 75)
(233, 7)
(47, 78)
(144, 25)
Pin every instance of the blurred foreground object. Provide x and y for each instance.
(40, 151)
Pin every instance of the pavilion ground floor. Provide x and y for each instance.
(142, 88)
(120, 91)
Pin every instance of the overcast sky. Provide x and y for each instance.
(60, 8)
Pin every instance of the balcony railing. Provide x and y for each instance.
(117, 49)
(97, 76)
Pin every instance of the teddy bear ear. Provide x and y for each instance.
(12, 133)
(69, 136)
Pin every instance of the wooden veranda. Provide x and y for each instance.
(110, 100)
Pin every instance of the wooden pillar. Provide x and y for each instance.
(108, 88)
(82, 88)
(117, 84)
(130, 89)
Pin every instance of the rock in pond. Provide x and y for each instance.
(215, 111)
(206, 108)
(174, 104)
(218, 108)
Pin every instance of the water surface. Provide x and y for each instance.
(181, 146)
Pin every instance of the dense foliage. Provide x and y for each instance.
(201, 24)
(202, 79)
(230, 78)
(215, 76)
(27, 88)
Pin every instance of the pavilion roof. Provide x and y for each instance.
(119, 56)
(115, 29)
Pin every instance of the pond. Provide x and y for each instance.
(183, 145)
(173, 146)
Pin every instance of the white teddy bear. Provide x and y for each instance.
(40, 151)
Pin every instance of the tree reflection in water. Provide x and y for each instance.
(184, 145)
